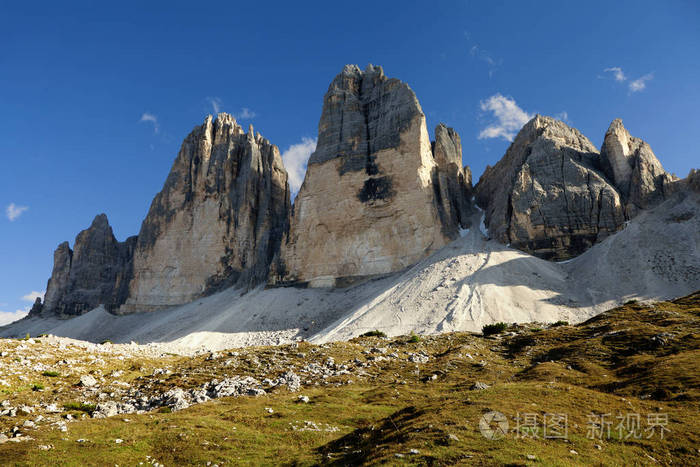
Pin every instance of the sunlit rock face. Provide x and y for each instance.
(217, 222)
(548, 196)
(635, 171)
(374, 199)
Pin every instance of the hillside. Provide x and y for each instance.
(400, 400)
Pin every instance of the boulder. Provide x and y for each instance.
(374, 199)
(547, 195)
(218, 221)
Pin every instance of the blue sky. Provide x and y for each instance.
(96, 97)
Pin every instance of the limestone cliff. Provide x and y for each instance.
(96, 272)
(374, 199)
(547, 196)
(218, 220)
(634, 169)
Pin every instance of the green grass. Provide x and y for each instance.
(80, 407)
(614, 364)
(51, 374)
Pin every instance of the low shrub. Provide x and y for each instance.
(495, 328)
(375, 333)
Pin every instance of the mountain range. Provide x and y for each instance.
(386, 232)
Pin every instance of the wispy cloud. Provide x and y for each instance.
(640, 84)
(216, 104)
(33, 295)
(635, 85)
(563, 116)
(245, 114)
(486, 57)
(149, 117)
(13, 211)
(7, 317)
(617, 72)
(509, 118)
(295, 159)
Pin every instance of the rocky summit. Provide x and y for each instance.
(547, 196)
(95, 272)
(376, 198)
(218, 221)
(634, 169)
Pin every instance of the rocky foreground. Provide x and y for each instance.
(374, 399)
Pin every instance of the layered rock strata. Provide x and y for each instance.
(547, 195)
(95, 272)
(375, 198)
(218, 220)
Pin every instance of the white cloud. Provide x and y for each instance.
(216, 104)
(640, 83)
(509, 117)
(13, 211)
(7, 317)
(295, 159)
(636, 85)
(33, 295)
(617, 73)
(149, 117)
(245, 114)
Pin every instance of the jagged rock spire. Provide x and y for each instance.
(633, 168)
(218, 220)
(95, 272)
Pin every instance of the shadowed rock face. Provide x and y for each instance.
(374, 199)
(218, 221)
(634, 170)
(96, 272)
(547, 195)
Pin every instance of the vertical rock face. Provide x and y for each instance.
(372, 200)
(547, 196)
(453, 181)
(634, 169)
(96, 272)
(218, 221)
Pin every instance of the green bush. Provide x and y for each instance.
(560, 323)
(37, 387)
(495, 328)
(165, 410)
(80, 407)
(51, 374)
(414, 338)
(375, 333)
